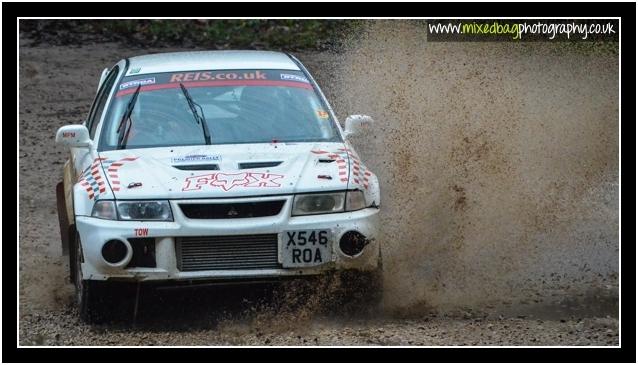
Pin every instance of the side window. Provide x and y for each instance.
(100, 101)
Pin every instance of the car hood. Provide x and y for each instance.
(220, 171)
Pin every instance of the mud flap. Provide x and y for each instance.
(63, 219)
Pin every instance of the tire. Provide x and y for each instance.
(91, 296)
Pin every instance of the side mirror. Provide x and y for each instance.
(357, 123)
(74, 135)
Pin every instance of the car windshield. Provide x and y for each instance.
(238, 106)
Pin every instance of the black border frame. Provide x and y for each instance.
(626, 353)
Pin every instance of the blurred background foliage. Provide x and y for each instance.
(280, 34)
(285, 34)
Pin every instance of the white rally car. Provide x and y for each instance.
(213, 166)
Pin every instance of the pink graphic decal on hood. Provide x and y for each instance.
(340, 158)
(360, 174)
(91, 179)
(228, 181)
(112, 167)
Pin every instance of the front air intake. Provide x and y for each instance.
(143, 252)
(114, 252)
(197, 167)
(241, 252)
(352, 243)
(231, 210)
(258, 165)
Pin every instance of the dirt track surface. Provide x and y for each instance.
(549, 307)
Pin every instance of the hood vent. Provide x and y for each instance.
(258, 165)
(197, 167)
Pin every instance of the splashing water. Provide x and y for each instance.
(498, 164)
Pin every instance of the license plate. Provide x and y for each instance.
(306, 248)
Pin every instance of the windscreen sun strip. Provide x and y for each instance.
(171, 80)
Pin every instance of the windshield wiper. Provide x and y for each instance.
(199, 118)
(122, 136)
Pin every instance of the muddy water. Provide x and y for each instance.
(498, 164)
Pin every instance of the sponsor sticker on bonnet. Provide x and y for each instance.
(196, 158)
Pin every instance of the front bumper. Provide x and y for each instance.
(95, 232)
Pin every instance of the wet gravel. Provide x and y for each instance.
(214, 325)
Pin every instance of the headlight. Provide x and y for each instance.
(104, 209)
(355, 200)
(328, 203)
(144, 210)
(318, 203)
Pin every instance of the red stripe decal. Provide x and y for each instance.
(217, 83)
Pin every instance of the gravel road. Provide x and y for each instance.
(57, 85)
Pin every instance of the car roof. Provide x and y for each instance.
(210, 60)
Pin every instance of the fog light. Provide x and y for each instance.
(352, 243)
(114, 251)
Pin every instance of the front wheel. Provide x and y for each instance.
(91, 296)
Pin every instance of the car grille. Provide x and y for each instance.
(227, 252)
(232, 210)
